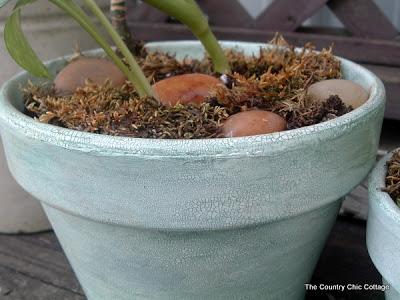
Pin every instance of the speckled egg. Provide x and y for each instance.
(184, 88)
(253, 122)
(97, 70)
(349, 92)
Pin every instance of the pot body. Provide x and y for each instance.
(267, 261)
(383, 231)
(235, 218)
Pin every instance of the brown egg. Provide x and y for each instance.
(95, 69)
(253, 122)
(184, 88)
(349, 92)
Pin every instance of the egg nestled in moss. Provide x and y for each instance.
(187, 88)
(97, 70)
(253, 122)
(350, 92)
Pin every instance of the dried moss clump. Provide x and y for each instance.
(159, 65)
(316, 113)
(393, 177)
(106, 110)
(276, 79)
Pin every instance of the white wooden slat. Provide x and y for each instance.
(324, 17)
(255, 7)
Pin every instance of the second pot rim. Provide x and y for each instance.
(265, 144)
(379, 198)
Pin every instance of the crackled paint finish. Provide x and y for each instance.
(234, 218)
(245, 263)
(383, 231)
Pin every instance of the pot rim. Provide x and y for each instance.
(265, 144)
(380, 198)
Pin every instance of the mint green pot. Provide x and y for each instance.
(234, 218)
(383, 231)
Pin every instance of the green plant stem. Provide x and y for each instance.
(217, 55)
(187, 12)
(118, 20)
(140, 81)
(83, 19)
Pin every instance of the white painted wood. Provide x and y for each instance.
(324, 17)
(255, 7)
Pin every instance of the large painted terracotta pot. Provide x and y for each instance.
(234, 218)
(383, 231)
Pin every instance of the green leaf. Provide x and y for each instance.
(18, 46)
(22, 3)
(188, 12)
(3, 2)
(398, 201)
